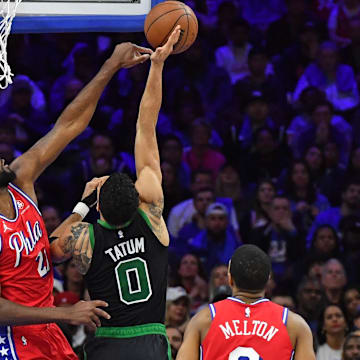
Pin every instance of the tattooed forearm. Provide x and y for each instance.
(78, 244)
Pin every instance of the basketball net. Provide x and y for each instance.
(7, 12)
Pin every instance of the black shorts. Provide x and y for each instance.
(141, 342)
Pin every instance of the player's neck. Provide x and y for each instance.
(6, 205)
(248, 297)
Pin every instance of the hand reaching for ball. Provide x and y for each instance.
(127, 55)
(161, 53)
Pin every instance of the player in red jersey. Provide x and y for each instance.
(247, 326)
(26, 273)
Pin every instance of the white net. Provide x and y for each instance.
(7, 12)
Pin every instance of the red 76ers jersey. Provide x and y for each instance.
(26, 273)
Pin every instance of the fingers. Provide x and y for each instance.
(142, 49)
(174, 37)
(95, 319)
(102, 313)
(99, 303)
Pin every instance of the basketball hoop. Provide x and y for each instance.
(8, 12)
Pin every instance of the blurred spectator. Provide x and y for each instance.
(174, 192)
(218, 277)
(306, 202)
(325, 244)
(325, 128)
(177, 308)
(233, 56)
(202, 199)
(350, 205)
(332, 331)
(291, 64)
(350, 54)
(333, 280)
(7, 152)
(228, 185)
(183, 213)
(218, 241)
(73, 280)
(335, 79)
(195, 67)
(171, 152)
(191, 278)
(279, 239)
(175, 337)
(222, 292)
(285, 300)
(260, 79)
(333, 178)
(353, 170)
(259, 214)
(339, 23)
(266, 160)
(315, 160)
(350, 230)
(351, 349)
(352, 302)
(200, 156)
(101, 161)
(310, 301)
(282, 33)
(51, 218)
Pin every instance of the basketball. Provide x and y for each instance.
(162, 20)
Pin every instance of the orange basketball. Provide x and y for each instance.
(162, 20)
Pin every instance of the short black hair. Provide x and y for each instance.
(250, 268)
(118, 199)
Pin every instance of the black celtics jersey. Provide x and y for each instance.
(129, 271)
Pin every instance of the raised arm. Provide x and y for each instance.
(147, 158)
(74, 119)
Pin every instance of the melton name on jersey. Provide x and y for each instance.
(129, 271)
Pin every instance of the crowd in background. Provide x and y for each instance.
(259, 138)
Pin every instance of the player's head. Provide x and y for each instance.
(249, 269)
(118, 199)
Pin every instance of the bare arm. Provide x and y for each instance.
(74, 119)
(74, 242)
(147, 158)
(301, 336)
(194, 334)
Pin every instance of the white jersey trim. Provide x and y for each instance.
(10, 339)
(243, 302)
(15, 208)
(212, 311)
(285, 315)
(27, 197)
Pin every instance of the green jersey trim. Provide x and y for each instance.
(106, 225)
(131, 331)
(145, 217)
(92, 236)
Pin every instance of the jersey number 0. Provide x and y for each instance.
(244, 353)
(133, 281)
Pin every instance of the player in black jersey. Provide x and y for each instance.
(124, 255)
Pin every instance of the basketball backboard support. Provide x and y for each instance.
(40, 16)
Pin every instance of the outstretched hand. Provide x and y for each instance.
(127, 55)
(162, 53)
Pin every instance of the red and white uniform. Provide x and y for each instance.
(26, 277)
(243, 331)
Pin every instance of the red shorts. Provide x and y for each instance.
(30, 342)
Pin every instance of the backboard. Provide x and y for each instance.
(39, 16)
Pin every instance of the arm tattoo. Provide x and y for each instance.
(77, 244)
(156, 209)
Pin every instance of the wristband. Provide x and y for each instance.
(81, 209)
(91, 199)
